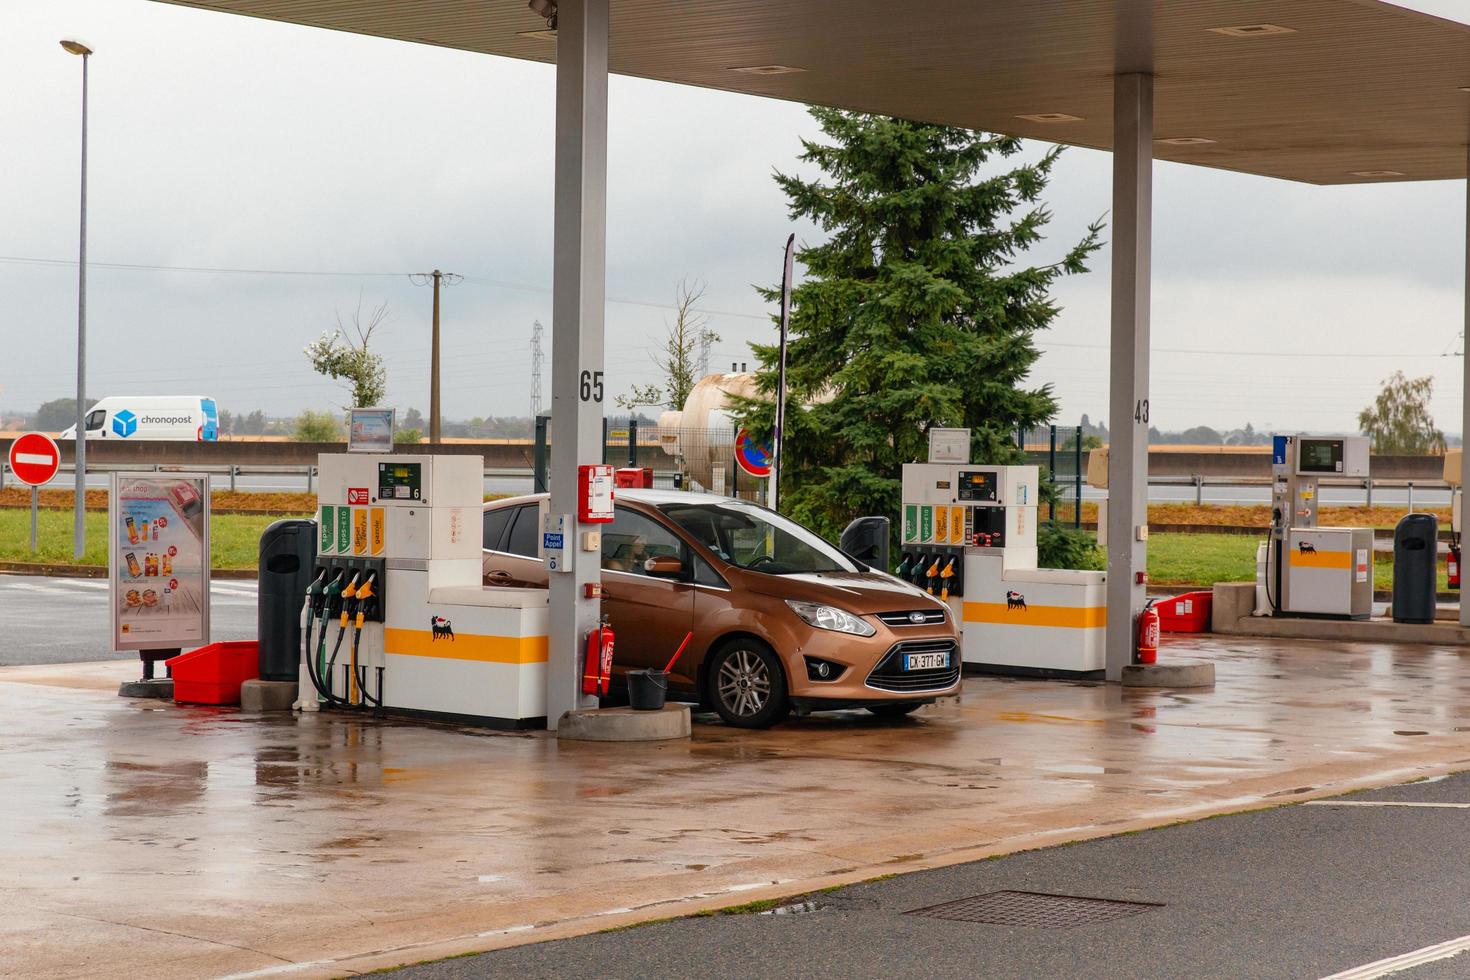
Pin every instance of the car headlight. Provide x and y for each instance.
(830, 618)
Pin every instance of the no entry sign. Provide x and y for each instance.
(34, 459)
(751, 456)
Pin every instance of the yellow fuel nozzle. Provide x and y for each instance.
(931, 574)
(364, 593)
(944, 578)
(347, 595)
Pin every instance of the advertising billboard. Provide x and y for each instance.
(158, 560)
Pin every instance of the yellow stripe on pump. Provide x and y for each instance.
(466, 646)
(1069, 617)
(1320, 559)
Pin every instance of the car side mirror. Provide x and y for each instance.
(664, 566)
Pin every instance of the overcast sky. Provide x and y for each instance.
(226, 142)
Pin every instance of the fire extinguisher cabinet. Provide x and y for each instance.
(1415, 564)
(286, 565)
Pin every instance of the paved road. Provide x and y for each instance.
(64, 620)
(1299, 892)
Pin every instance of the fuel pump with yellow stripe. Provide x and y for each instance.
(397, 618)
(1310, 570)
(1015, 618)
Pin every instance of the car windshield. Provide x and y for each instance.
(758, 539)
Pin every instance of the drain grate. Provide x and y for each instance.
(1034, 909)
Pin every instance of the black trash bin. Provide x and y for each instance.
(287, 552)
(866, 539)
(1415, 565)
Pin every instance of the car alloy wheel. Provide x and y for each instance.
(749, 685)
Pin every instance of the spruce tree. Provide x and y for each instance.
(917, 311)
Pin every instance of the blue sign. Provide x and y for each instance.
(1278, 450)
(551, 540)
(124, 423)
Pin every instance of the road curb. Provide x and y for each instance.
(98, 571)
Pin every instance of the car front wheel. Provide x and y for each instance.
(748, 686)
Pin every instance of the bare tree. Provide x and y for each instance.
(336, 354)
(678, 358)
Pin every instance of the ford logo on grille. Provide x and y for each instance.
(917, 617)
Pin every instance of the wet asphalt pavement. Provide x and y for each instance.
(1297, 892)
(65, 620)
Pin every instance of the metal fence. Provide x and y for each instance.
(1058, 450)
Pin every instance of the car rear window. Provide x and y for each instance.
(523, 532)
(495, 524)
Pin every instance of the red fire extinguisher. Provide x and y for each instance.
(597, 661)
(1148, 634)
(1452, 565)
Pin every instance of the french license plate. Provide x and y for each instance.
(925, 661)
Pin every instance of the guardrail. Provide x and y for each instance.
(307, 475)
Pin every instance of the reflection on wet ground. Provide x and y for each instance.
(188, 841)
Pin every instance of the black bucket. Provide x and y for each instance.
(646, 689)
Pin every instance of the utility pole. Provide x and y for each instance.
(79, 465)
(537, 357)
(419, 279)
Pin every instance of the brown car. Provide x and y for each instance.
(781, 619)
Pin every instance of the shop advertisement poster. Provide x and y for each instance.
(158, 551)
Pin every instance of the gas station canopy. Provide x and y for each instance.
(1321, 91)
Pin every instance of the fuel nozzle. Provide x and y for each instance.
(365, 599)
(944, 577)
(932, 574)
(332, 593)
(349, 601)
(904, 566)
(316, 592)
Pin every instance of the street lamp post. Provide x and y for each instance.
(79, 533)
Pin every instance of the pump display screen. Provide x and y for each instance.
(976, 485)
(1319, 456)
(399, 481)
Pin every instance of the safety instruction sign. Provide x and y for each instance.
(158, 546)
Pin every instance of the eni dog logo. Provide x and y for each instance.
(1015, 600)
(124, 423)
(1306, 547)
(440, 627)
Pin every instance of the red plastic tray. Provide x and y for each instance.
(1187, 613)
(213, 674)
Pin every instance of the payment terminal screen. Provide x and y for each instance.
(1320, 456)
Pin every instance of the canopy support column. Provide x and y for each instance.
(1128, 408)
(1465, 384)
(579, 270)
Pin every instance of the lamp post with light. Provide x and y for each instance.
(79, 539)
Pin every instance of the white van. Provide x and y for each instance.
(177, 418)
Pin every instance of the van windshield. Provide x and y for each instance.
(753, 537)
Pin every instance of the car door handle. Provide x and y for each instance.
(498, 575)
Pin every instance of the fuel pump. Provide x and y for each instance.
(400, 604)
(1312, 570)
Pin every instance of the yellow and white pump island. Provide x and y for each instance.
(428, 639)
(1015, 618)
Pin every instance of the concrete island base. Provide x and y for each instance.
(624, 724)
(1174, 673)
